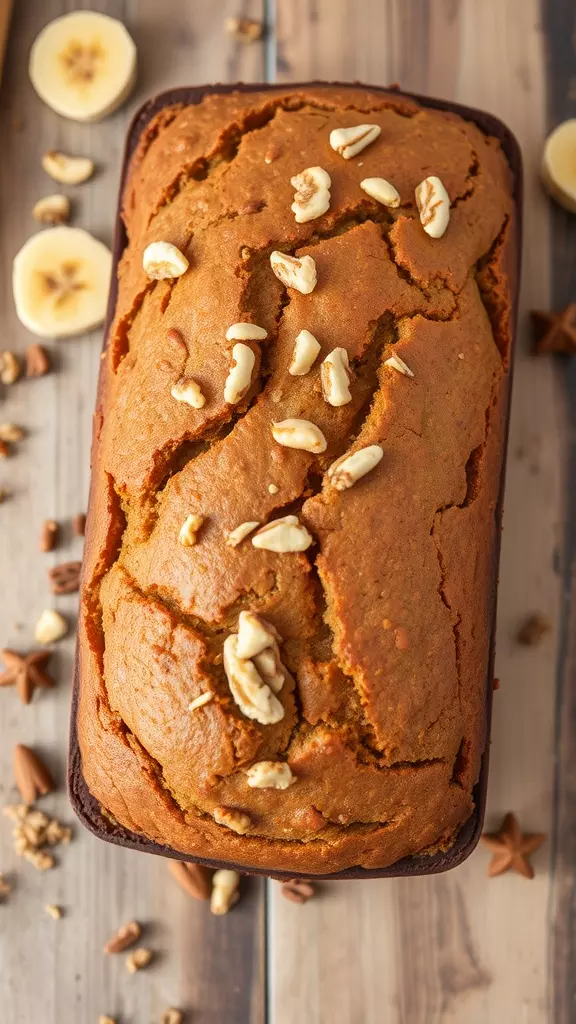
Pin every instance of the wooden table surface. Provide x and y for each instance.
(456, 948)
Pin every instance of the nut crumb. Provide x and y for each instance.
(172, 1016)
(10, 432)
(297, 890)
(225, 893)
(53, 911)
(236, 536)
(246, 30)
(138, 959)
(533, 630)
(106, 1020)
(126, 936)
(51, 626)
(232, 819)
(37, 361)
(200, 701)
(49, 535)
(9, 368)
(187, 535)
(273, 489)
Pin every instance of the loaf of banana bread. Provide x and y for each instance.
(291, 549)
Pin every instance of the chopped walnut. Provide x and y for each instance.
(9, 368)
(306, 350)
(350, 141)
(239, 376)
(189, 529)
(335, 378)
(312, 196)
(283, 535)
(433, 204)
(344, 473)
(138, 959)
(232, 819)
(225, 884)
(294, 272)
(300, 434)
(396, 363)
(382, 191)
(200, 701)
(270, 775)
(188, 390)
(236, 536)
(253, 696)
(53, 911)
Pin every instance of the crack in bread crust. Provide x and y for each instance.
(425, 308)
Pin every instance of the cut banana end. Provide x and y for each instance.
(60, 282)
(83, 65)
(559, 164)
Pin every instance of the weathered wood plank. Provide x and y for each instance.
(454, 947)
(55, 971)
(558, 24)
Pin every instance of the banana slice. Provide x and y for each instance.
(83, 65)
(60, 282)
(559, 164)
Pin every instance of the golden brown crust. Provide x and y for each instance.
(386, 622)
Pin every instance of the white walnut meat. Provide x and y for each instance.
(312, 197)
(252, 695)
(270, 775)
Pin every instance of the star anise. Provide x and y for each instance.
(511, 848)
(25, 672)
(555, 332)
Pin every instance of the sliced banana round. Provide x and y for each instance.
(83, 65)
(60, 282)
(559, 164)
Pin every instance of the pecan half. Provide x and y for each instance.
(195, 879)
(37, 362)
(126, 935)
(65, 578)
(297, 890)
(30, 774)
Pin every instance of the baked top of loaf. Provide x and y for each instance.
(384, 621)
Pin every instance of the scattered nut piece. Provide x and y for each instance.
(272, 154)
(106, 1020)
(246, 30)
(225, 885)
(164, 261)
(398, 364)
(252, 695)
(272, 489)
(305, 352)
(195, 879)
(37, 362)
(53, 911)
(25, 672)
(10, 433)
(201, 700)
(246, 332)
(172, 1016)
(344, 473)
(300, 434)
(294, 272)
(138, 959)
(51, 626)
(4, 449)
(270, 775)
(240, 374)
(65, 578)
(382, 191)
(9, 368)
(126, 936)
(433, 204)
(283, 535)
(254, 635)
(312, 196)
(350, 141)
(297, 890)
(235, 537)
(49, 535)
(5, 887)
(270, 667)
(232, 819)
(335, 378)
(533, 630)
(39, 859)
(30, 774)
(79, 524)
(187, 390)
(68, 170)
(189, 529)
(52, 210)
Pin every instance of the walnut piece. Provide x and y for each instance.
(252, 695)
(138, 959)
(300, 434)
(225, 884)
(270, 775)
(201, 700)
(188, 390)
(246, 332)
(240, 374)
(306, 350)
(312, 196)
(53, 209)
(433, 204)
(294, 272)
(164, 261)
(335, 378)
(10, 433)
(382, 191)
(398, 364)
(9, 368)
(254, 635)
(283, 535)
(126, 936)
(344, 473)
(51, 626)
(236, 536)
(189, 529)
(246, 30)
(350, 141)
(53, 911)
(235, 820)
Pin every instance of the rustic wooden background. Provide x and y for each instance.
(455, 949)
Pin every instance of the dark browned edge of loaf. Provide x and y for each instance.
(83, 802)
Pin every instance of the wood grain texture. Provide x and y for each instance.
(54, 971)
(559, 23)
(454, 948)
